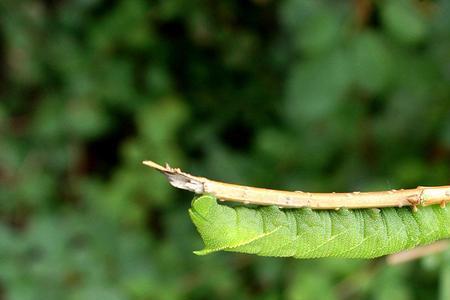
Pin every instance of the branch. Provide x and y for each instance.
(418, 252)
(420, 196)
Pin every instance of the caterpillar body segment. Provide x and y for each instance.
(307, 233)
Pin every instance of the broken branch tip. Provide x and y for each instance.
(154, 165)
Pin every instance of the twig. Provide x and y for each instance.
(408, 255)
(420, 196)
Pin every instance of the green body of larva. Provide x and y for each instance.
(306, 233)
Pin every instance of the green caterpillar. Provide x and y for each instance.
(306, 233)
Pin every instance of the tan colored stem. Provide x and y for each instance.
(420, 196)
(418, 252)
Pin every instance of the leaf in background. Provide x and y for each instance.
(404, 21)
(372, 62)
(315, 89)
(444, 282)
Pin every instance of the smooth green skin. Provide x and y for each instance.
(306, 233)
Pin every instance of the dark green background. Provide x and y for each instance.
(294, 94)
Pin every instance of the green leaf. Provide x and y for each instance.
(320, 32)
(444, 286)
(404, 21)
(372, 62)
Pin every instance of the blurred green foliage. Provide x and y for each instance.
(294, 94)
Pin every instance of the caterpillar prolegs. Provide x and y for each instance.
(306, 233)
(298, 231)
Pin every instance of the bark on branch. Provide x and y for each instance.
(420, 196)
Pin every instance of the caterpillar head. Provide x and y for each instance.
(225, 228)
(213, 223)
